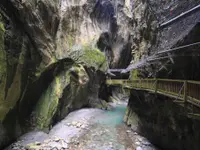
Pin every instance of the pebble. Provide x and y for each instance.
(78, 125)
(137, 143)
(64, 147)
(128, 131)
(74, 123)
(37, 143)
(140, 139)
(139, 148)
(47, 141)
(134, 128)
(57, 140)
(146, 143)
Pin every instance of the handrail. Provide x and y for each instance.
(186, 90)
(159, 79)
(180, 16)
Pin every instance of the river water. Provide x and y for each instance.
(109, 132)
(87, 129)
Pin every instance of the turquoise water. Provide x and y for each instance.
(104, 134)
(113, 117)
(108, 132)
(107, 122)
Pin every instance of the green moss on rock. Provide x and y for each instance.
(15, 89)
(134, 74)
(112, 99)
(76, 96)
(3, 71)
(10, 86)
(48, 103)
(91, 57)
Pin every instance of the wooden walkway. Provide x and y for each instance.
(181, 91)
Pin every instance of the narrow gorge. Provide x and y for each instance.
(99, 74)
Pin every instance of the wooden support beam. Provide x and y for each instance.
(156, 86)
(185, 92)
(177, 101)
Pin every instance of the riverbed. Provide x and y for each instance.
(87, 129)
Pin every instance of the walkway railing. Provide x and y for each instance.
(181, 90)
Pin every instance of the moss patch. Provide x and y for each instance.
(134, 74)
(3, 70)
(14, 91)
(91, 57)
(56, 101)
(48, 103)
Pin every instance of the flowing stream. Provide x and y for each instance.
(87, 129)
(109, 132)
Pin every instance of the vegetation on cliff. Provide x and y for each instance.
(3, 70)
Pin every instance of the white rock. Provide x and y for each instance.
(128, 131)
(74, 123)
(137, 143)
(56, 139)
(140, 139)
(139, 148)
(146, 143)
(78, 125)
(38, 143)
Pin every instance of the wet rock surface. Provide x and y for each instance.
(87, 129)
(76, 123)
(40, 41)
(162, 121)
(110, 133)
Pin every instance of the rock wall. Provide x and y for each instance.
(155, 39)
(165, 123)
(53, 58)
(54, 54)
(162, 121)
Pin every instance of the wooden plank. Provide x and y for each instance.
(156, 86)
(159, 79)
(179, 101)
(194, 82)
(185, 92)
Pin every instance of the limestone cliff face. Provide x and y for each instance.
(54, 55)
(159, 119)
(162, 121)
(153, 38)
(55, 26)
